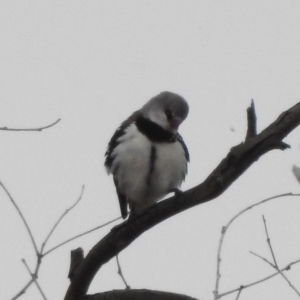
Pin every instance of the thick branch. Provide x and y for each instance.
(238, 160)
(137, 295)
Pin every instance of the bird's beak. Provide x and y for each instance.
(175, 122)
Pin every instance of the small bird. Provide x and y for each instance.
(146, 155)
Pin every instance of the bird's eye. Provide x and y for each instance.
(169, 114)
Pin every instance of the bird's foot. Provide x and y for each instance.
(178, 193)
(129, 220)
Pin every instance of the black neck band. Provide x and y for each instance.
(154, 132)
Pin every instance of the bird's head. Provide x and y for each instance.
(166, 109)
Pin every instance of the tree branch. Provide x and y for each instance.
(238, 160)
(60, 219)
(225, 230)
(251, 118)
(34, 277)
(127, 287)
(22, 217)
(138, 295)
(30, 129)
(80, 235)
(286, 268)
(279, 272)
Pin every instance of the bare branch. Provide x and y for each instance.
(22, 217)
(30, 129)
(138, 295)
(279, 272)
(264, 259)
(239, 293)
(34, 278)
(23, 290)
(251, 118)
(269, 242)
(39, 254)
(275, 265)
(225, 229)
(121, 273)
(77, 257)
(238, 160)
(288, 267)
(81, 234)
(60, 219)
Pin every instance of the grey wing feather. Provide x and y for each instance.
(186, 153)
(122, 201)
(113, 143)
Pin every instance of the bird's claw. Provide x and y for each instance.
(178, 193)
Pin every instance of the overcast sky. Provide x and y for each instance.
(92, 63)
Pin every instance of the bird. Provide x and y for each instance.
(146, 155)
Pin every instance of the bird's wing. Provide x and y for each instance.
(132, 118)
(109, 158)
(122, 201)
(186, 151)
(113, 143)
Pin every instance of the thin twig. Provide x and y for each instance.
(239, 293)
(225, 228)
(79, 235)
(289, 283)
(279, 271)
(259, 281)
(121, 273)
(22, 217)
(30, 129)
(34, 277)
(275, 265)
(40, 253)
(60, 219)
(264, 259)
(269, 243)
(23, 290)
(53, 228)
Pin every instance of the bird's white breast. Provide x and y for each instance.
(170, 166)
(132, 164)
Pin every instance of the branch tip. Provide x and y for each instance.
(30, 129)
(251, 118)
(77, 256)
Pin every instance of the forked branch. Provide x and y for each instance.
(237, 161)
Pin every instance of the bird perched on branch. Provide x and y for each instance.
(146, 155)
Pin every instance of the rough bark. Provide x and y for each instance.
(237, 161)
